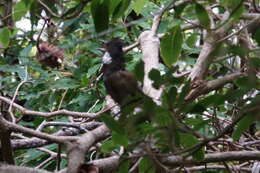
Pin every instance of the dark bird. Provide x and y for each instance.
(119, 82)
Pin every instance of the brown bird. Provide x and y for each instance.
(49, 55)
(119, 82)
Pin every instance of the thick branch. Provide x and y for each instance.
(213, 157)
(158, 16)
(205, 88)
(77, 150)
(55, 113)
(20, 169)
(105, 165)
(37, 142)
(207, 167)
(204, 59)
(15, 127)
(150, 45)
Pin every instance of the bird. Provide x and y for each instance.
(49, 55)
(119, 82)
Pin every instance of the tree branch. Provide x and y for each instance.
(15, 127)
(77, 149)
(55, 113)
(37, 142)
(205, 88)
(212, 157)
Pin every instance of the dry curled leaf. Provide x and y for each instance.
(50, 55)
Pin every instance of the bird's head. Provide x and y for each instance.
(114, 50)
(114, 45)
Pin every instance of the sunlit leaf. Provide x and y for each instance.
(121, 8)
(188, 140)
(113, 5)
(120, 139)
(242, 126)
(139, 5)
(113, 124)
(171, 45)
(20, 9)
(146, 165)
(108, 146)
(65, 83)
(4, 37)
(202, 15)
(22, 73)
(100, 14)
(124, 166)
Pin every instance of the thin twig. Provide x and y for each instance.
(48, 9)
(238, 31)
(55, 113)
(10, 109)
(158, 16)
(90, 109)
(62, 98)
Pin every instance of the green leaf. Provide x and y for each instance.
(124, 166)
(9, 68)
(4, 37)
(191, 40)
(242, 126)
(24, 55)
(239, 11)
(202, 15)
(113, 124)
(171, 45)
(92, 70)
(255, 61)
(139, 71)
(155, 76)
(146, 166)
(163, 117)
(216, 100)
(195, 108)
(188, 140)
(100, 14)
(244, 83)
(139, 5)
(22, 73)
(171, 96)
(185, 90)
(20, 9)
(199, 154)
(120, 8)
(113, 5)
(25, 52)
(65, 83)
(203, 123)
(257, 36)
(179, 9)
(108, 146)
(33, 154)
(119, 139)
